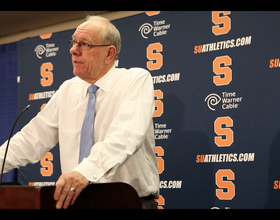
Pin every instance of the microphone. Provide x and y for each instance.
(4, 159)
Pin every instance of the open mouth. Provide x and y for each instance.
(77, 62)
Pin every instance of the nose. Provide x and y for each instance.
(75, 50)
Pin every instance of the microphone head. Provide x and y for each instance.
(28, 107)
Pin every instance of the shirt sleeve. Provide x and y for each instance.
(34, 140)
(127, 131)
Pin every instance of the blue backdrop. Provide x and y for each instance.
(217, 122)
(8, 98)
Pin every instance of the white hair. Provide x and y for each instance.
(111, 34)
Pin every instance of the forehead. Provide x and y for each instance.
(89, 31)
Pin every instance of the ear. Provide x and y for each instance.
(111, 52)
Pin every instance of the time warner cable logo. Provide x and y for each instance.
(160, 28)
(145, 29)
(50, 50)
(229, 100)
(39, 50)
(212, 100)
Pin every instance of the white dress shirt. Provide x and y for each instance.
(123, 149)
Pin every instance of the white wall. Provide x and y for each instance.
(61, 27)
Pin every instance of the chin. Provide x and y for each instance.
(77, 73)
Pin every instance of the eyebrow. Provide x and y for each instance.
(83, 39)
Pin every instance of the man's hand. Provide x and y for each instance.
(63, 195)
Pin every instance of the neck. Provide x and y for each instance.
(99, 75)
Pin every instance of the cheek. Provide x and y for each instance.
(89, 65)
(93, 61)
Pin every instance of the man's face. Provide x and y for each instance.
(88, 64)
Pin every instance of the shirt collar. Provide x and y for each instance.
(103, 83)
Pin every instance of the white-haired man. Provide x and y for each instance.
(122, 148)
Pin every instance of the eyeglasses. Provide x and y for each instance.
(84, 45)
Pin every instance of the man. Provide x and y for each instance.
(123, 136)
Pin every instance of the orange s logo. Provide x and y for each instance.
(160, 201)
(47, 165)
(151, 13)
(224, 74)
(158, 103)
(47, 75)
(43, 106)
(45, 36)
(160, 152)
(157, 57)
(229, 186)
(225, 22)
(221, 131)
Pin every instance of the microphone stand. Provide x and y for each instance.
(4, 159)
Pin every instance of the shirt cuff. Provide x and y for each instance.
(89, 170)
(92, 172)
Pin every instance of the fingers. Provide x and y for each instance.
(59, 186)
(77, 192)
(65, 198)
(63, 195)
(61, 191)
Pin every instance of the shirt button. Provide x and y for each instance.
(94, 177)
